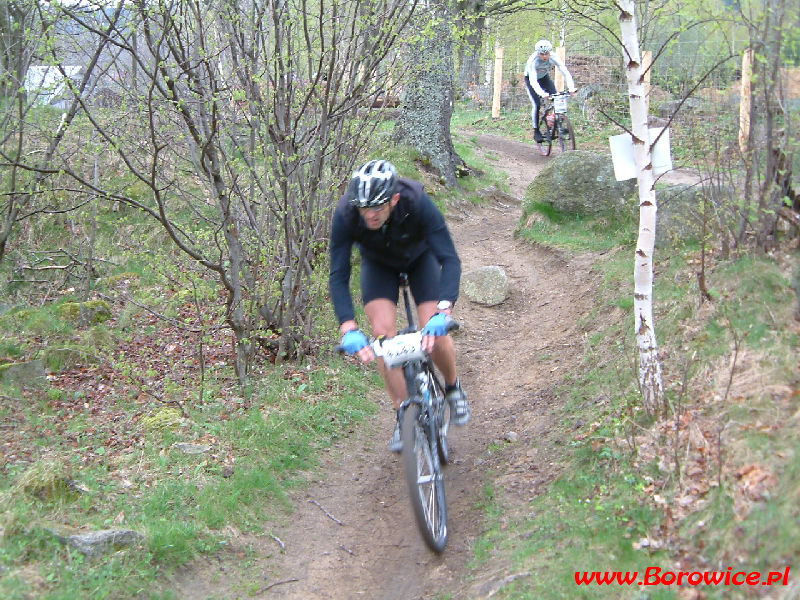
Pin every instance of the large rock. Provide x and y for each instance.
(97, 543)
(24, 373)
(581, 183)
(485, 285)
(678, 219)
(85, 313)
(680, 214)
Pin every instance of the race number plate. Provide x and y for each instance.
(401, 349)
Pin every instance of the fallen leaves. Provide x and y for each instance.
(755, 481)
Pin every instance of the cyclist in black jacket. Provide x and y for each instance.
(397, 228)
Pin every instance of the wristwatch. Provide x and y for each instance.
(444, 304)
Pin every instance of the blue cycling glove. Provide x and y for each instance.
(437, 325)
(353, 341)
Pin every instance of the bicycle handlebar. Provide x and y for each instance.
(401, 348)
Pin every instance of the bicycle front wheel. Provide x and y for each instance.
(566, 134)
(546, 144)
(441, 411)
(425, 479)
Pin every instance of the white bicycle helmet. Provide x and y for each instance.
(544, 46)
(373, 184)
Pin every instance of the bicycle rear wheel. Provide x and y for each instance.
(566, 135)
(425, 479)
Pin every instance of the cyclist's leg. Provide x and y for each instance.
(380, 290)
(382, 314)
(423, 277)
(536, 101)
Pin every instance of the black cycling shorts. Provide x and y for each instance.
(381, 281)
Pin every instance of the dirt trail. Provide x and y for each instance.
(352, 534)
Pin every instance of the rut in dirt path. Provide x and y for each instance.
(352, 533)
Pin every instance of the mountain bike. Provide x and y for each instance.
(555, 124)
(424, 423)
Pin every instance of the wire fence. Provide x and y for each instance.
(704, 86)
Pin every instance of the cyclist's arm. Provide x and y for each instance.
(439, 240)
(530, 69)
(556, 60)
(341, 245)
(537, 88)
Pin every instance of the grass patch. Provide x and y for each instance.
(730, 502)
(542, 224)
(183, 504)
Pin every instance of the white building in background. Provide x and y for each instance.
(46, 85)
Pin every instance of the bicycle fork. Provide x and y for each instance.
(428, 420)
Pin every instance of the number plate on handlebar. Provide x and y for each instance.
(400, 349)
(560, 104)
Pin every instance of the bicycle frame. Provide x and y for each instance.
(556, 124)
(424, 424)
(417, 383)
(425, 448)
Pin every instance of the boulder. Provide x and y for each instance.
(23, 373)
(581, 182)
(485, 285)
(97, 543)
(680, 213)
(678, 218)
(85, 313)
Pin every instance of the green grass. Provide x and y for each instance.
(591, 516)
(541, 224)
(185, 502)
(586, 523)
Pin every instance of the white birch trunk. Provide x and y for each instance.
(650, 381)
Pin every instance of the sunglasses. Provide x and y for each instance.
(372, 209)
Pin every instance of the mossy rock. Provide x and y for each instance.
(29, 372)
(68, 356)
(91, 312)
(126, 278)
(164, 419)
(581, 183)
(680, 213)
(48, 481)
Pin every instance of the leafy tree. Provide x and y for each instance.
(242, 122)
(31, 136)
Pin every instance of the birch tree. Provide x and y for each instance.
(650, 380)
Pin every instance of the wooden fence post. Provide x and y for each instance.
(745, 103)
(498, 80)
(561, 51)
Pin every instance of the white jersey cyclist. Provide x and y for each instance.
(538, 82)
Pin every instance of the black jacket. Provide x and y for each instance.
(415, 226)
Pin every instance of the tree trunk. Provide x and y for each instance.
(650, 380)
(472, 22)
(424, 121)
